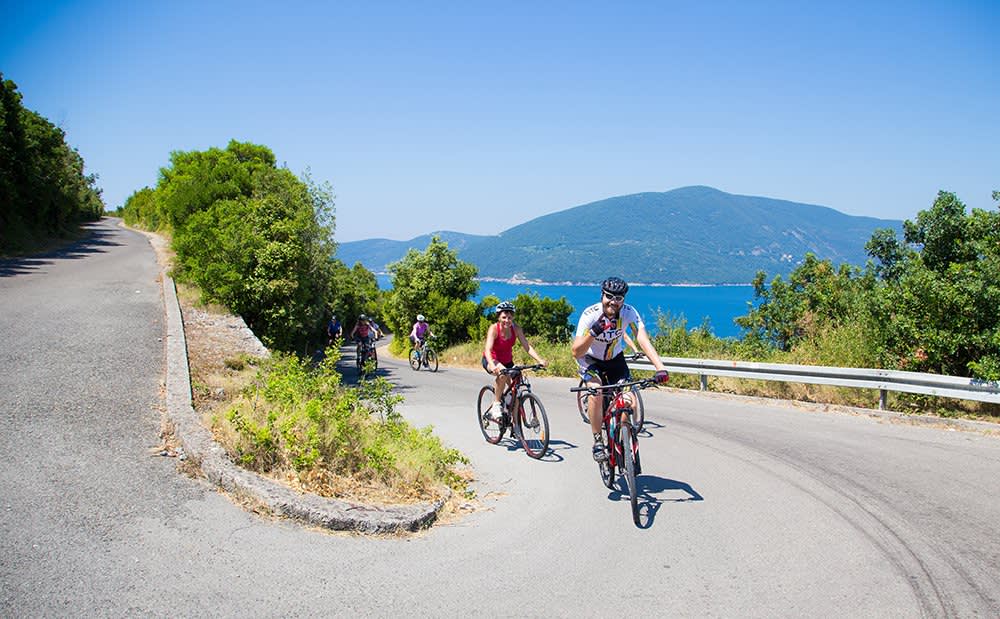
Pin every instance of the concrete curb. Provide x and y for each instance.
(200, 447)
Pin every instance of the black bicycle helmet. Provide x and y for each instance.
(505, 306)
(362, 317)
(615, 285)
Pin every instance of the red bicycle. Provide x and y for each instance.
(638, 419)
(521, 412)
(620, 436)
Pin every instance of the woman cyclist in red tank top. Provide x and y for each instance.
(499, 351)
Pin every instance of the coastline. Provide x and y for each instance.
(518, 281)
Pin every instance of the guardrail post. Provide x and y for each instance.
(704, 381)
(882, 396)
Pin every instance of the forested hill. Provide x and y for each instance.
(696, 235)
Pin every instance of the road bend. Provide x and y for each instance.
(749, 509)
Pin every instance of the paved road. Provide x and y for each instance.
(750, 510)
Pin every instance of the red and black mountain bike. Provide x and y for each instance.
(522, 413)
(620, 436)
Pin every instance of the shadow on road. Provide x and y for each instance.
(95, 240)
(646, 425)
(649, 503)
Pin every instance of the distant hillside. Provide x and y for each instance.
(696, 235)
(375, 254)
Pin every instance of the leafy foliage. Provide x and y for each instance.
(301, 420)
(437, 284)
(44, 190)
(256, 239)
(928, 304)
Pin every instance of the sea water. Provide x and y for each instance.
(718, 304)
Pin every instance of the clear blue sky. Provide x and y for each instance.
(476, 116)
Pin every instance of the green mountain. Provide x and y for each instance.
(693, 235)
(376, 254)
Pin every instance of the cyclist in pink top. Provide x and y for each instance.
(499, 352)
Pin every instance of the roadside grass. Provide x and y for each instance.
(299, 424)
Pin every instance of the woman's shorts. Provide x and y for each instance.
(486, 365)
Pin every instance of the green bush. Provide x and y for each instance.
(300, 419)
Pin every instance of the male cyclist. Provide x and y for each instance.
(334, 330)
(420, 331)
(598, 349)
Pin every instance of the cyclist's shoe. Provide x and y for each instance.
(600, 453)
(493, 412)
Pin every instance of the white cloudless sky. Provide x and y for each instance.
(476, 116)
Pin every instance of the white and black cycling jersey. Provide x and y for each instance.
(610, 343)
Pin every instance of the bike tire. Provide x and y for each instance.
(492, 431)
(607, 466)
(639, 414)
(582, 400)
(533, 425)
(626, 434)
(414, 360)
(359, 358)
(432, 360)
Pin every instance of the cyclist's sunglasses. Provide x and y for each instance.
(617, 298)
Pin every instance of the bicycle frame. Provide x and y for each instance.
(612, 418)
(521, 411)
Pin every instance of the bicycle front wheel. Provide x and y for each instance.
(414, 360)
(582, 400)
(630, 448)
(534, 425)
(359, 358)
(431, 361)
(492, 431)
(607, 466)
(639, 414)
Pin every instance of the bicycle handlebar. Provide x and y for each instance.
(519, 368)
(642, 384)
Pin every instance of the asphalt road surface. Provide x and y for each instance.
(749, 510)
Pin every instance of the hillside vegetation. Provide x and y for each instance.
(688, 235)
(44, 190)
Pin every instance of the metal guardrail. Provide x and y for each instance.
(863, 378)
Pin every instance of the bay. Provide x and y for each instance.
(719, 304)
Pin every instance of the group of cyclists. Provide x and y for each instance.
(598, 347)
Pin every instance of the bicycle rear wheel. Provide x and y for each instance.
(359, 358)
(533, 425)
(414, 360)
(492, 431)
(582, 399)
(626, 434)
(431, 360)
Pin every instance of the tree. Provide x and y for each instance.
(939, 313)
(437, 284)
(44, 189)
(250, 237)
(815, 296)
